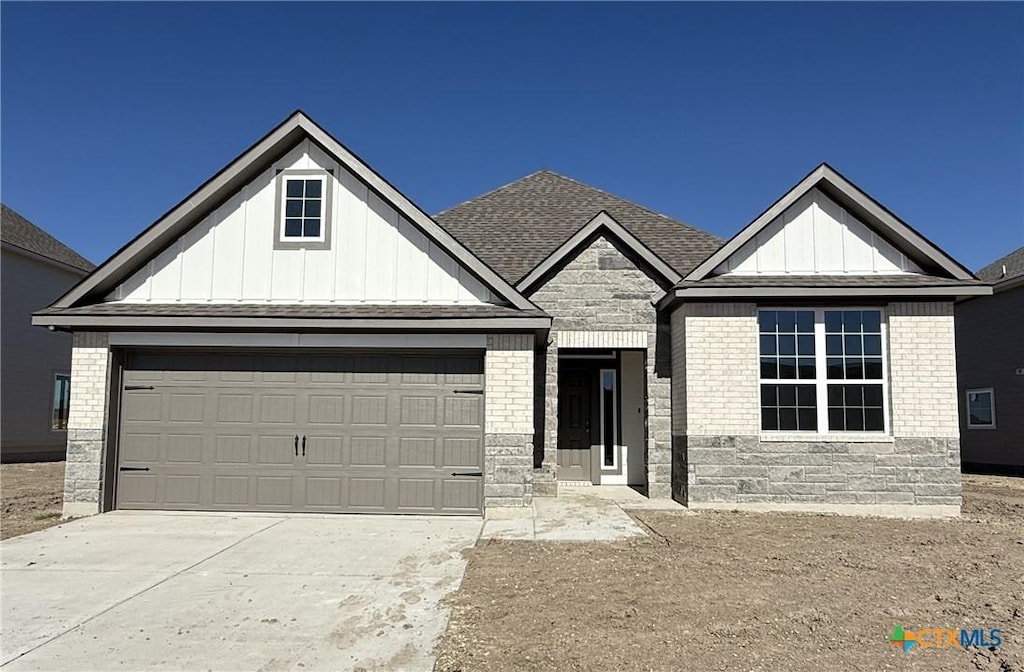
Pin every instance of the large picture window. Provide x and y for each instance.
(822, 370)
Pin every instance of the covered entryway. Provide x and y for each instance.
(601, 416)
(369, 432)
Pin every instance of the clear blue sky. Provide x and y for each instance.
(112, 113)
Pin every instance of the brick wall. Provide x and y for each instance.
(716, 419)
(602, 290)
(922, 366)
(83, 473)
(509, 420)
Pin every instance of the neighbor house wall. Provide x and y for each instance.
(87, 424)
(727, 460)
(31, 356)
(989, 354)
(603, 290)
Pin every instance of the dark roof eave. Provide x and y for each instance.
(803, 292)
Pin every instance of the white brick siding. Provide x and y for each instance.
(83, 473)
(509, 384)
(88, 381)
(922, 366)
(716, 344)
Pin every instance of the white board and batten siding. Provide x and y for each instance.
(375, 255)
(816, 236)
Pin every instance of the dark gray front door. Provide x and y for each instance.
(375, 432)
(575, 397)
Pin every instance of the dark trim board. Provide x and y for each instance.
(184, 323)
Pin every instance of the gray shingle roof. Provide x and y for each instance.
(17, 231)
(1014, 263)
(354, 311)
(893, 281)
(515, 227)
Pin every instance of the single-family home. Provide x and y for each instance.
(298, 335)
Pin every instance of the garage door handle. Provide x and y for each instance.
(467, 473)
(303, 445)
(469, 391)
(296, 445)
(134, 469)
(138, 387)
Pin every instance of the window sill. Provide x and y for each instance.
(815, 437)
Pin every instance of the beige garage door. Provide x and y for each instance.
(370, 433)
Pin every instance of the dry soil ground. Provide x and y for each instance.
(734, 591)
(31, 496)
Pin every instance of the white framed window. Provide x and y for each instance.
(823, 370)
(303, 209)
(60, 402)
(609, 420)
(981, 408)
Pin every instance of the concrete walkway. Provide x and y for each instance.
(136, 591)
(579, 513)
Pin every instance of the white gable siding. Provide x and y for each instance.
(815, 236)
(375, 255)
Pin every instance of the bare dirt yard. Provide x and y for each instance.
(742, 591)
(31, 495)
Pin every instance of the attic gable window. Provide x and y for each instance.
(303, 211)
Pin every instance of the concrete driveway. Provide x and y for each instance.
(141, 591)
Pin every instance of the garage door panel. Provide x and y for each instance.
(230, 491)
(324, 450)
(368, 451)
(233, 449)
(383, 433)
(370, 410)
(185, 448)
(277, 450)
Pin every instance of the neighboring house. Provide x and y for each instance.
(35, 269)
(298, 335)
(990, 370)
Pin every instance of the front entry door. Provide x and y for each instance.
(575, 395)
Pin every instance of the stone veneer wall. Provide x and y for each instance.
(716, 419)
(83, 471)
(603, 290)
(509, 420)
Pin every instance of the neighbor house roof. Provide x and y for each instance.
(1007, 268)
(17, 231)
(516, 227)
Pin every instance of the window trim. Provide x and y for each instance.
(53, 390)
(991, 405)
(821, 380)
(323, 241)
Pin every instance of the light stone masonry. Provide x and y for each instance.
(602, 290)
(83, 472)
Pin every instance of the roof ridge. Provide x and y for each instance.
(629, 202)
(494, 191)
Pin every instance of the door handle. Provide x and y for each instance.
(303, 445)
(296, 445)
(467, 473)
(134, 469)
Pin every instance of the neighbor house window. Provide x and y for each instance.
(303, 206)
(822, 370)
(981, 408)
(61, 401)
